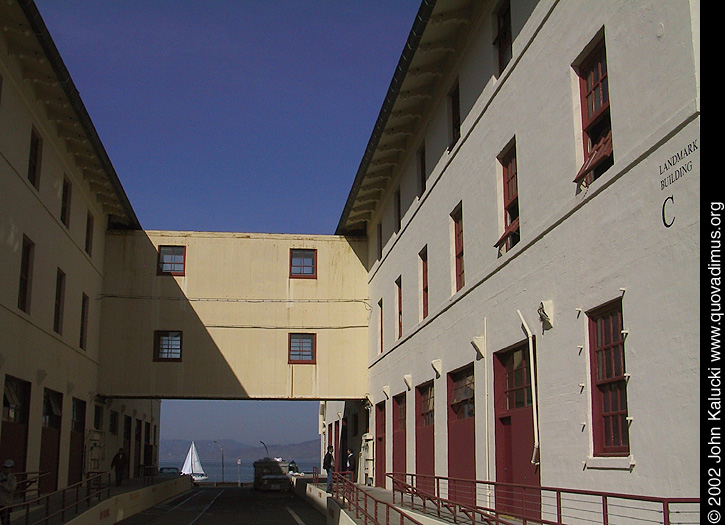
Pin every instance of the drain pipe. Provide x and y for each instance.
(530, 338)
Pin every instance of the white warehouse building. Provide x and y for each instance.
(530, 196)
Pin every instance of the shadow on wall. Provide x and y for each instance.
(153, 343)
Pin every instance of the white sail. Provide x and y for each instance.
(192, 464)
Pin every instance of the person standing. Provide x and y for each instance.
(8, 484)
(350, 465)
(329, 465)
(120, 463)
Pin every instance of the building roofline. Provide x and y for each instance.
(401, 70)
(41, 32)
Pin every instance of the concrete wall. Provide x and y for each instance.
(577, 250)
(236, 306)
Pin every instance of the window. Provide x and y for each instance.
(596, 121)
(83, 340)
(52, 408)
(609, 381)
(78, 416)
(398, 210)
(423, 255)
(59, 301)
(302, 348)
(427, 412)
(504, 38)
(16, 400)
(517, 384)
(65, 203)
(89, 234)
(454, 109)
(462, 394)
(113, 423)
(422, 171)
(400, 412)
(36, 148)
(98, 417)
(379, 235)
(380, 324)
(167, 345)
(172, 260)
(303, 264)
(26, 274)
(457, 219)
(511, 234)
(399, 301)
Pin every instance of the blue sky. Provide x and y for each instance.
(233, 115)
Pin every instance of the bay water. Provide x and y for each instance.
(242, 473)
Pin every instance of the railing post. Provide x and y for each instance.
(605, 512)
(666, 512)
(62, 505)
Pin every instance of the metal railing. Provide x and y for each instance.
(28, 482)
(495, 502)
(368, 509)
(54, 507)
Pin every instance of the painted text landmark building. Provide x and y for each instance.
(512, 287)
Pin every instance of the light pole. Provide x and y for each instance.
(222, 449)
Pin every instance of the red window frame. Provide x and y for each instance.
(302, 348)
(34, 157)
(89, 234)
(511, 234)
(380, 327)
(59, 301)
(400, 411)
(454, 103)
(303, 263)
(422, 171)
(65, 202)
(424, 281)
(168, 262)
(379, 235)
(610, 426)
(517, 373)
(83, 336)
(398, 211)
(596, 121)
(168, 345)
(426, 405)
(457, 217)
(504, 38)
(26, 274)
(399, 300)
(462, 400)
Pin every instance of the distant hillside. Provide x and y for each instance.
(176, 450)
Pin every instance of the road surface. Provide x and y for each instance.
(230, 505)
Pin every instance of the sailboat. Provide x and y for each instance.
(192, 465)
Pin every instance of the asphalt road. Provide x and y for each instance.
(230, 505)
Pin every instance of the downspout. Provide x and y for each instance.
(534, 402)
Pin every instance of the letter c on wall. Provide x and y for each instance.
(664, 215)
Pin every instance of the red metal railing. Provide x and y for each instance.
(368, 509)
(494, 502)
(54, 507)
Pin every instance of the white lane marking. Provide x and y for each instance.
(206, 508)
(295, 516)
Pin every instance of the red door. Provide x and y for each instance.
(399, 436)
(424, 438)
(380, 444)
(75, 452)
(16, 411)
(513, 406)
(461, 436)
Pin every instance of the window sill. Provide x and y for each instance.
(610, 463)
